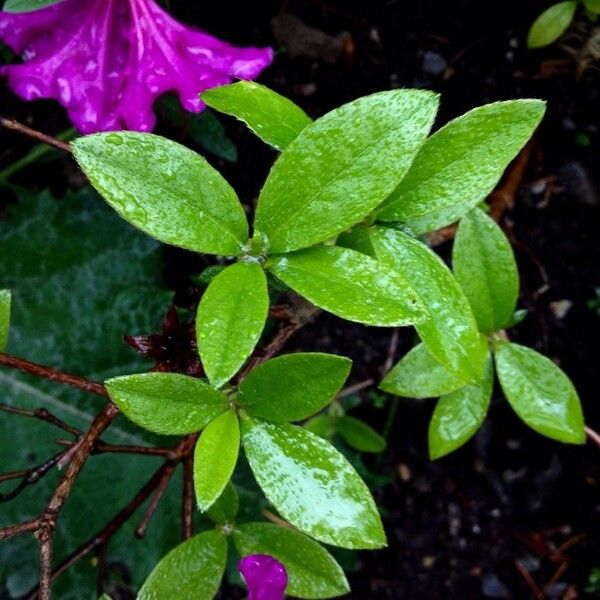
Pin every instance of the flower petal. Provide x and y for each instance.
(265, 577)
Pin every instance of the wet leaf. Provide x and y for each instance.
(226, 507)
(419, 375)
(312, 571)
(484, 265)
(459, 165)
(4, 317)
(457, 416)
(294, 386)
(540, 393)
(551, 24)
(312, 485)
(165, 189)
(350, 285)
(231, 317)
(340, 168)
(321, 425)
(193, 569)
(167, 403)
(215, 457)
(450, 333)
(273, 118)
(24, 6)
(359, 435)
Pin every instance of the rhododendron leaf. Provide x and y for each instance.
(107, 62)
(193, 569)
(167, 403)
(322, 425)
(273, 118)
(215, 457)
(419, 375)
(312, 571)
(230, 319)
(359, 435)
(551, 24)
(4, 317)
(484, 266)
(450, 332)
(225, 508)
(311, 382)
(457, 416)
(342, 167)
(312, 485)
(459, 165)
(540, 393)
(22, 6)
(351, 285)
(165, 189)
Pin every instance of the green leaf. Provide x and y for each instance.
(458, 415)
(321, 425)
(484, 265)
(215, 457)
(165, 189)
(226, 507)
(81, 278)
(592, 6)
(4, 318)
(340, 168)
(540, 393)
(167, 403)
(312, 571)
(359, 239)
(193, 569)
(230, 319)
(419, 375)
(25, 6)
(294, 386)
(450, 333)
(459, 165)
(312, 485)
(272, 117)
(359, 435)
(551, 24)
(350, 285)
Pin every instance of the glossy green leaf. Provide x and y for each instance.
(592, 6)
(450, 333)
(165, 189)
(294, 386)
(419, 375)
(4, 317)
(321, 425)
(358, 238)
(312, 571)
(484, 266)
(312, 485)
(350, 284)
(340, 168)
(193, 569)
(225, 508)
(359, 435)
(230, 319)
(273, 118)
(540, 393)
(167, 403)
(551, 24)
(459, 165)
(457, 416)
(215, 457)
(24, 6)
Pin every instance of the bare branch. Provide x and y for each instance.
(34, 134)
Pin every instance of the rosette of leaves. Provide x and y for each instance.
(195, 568)
(303, 476)
(536, 388)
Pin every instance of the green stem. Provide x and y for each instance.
(389, 422)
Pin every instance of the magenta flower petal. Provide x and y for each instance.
(265, 577)
(106, 61)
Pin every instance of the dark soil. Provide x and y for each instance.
(511, 511)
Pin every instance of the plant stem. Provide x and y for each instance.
(34, 134)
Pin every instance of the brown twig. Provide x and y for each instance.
(593, 436)
(160, 489)
(392, 349)
(34, 134)
(104, 448)
(533, 586)
(52, 374)
(43, 415)
(357, 387)
(187, 505)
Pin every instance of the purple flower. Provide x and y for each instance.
(106, 61)
(265, 577)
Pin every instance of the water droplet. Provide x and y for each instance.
(114, 139)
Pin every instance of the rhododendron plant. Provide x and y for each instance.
(265, 577)
(106, 61)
